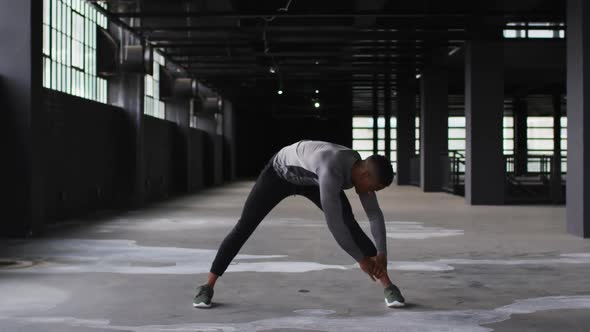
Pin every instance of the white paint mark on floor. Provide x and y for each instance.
(314, 312)
(416, 230)
(578, 255)
(20, 298)
(399, 320)
(125, 256)
(447, 264)
(285, 267)
(418, 266)
(169, 224)
(395, 229)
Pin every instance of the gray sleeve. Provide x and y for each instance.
(375, 215)
(330, 187)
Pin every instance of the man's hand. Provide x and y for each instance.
(367, 264)
(381, 265)
(375, 266)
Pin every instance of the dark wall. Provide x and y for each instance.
(88, 156)
(213, 149)
(90, 161)
(160, 158)
(212, 159)
(177, 111)
(218, 159)
(196, 159)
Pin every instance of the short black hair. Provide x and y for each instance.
(382, 169)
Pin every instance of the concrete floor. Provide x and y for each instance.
(461, 268)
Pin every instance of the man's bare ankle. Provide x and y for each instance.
(386, 283)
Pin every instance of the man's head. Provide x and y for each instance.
(372, 174)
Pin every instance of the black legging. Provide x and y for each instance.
(268, 191)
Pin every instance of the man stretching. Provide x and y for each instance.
(319, 171)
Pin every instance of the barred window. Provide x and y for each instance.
(362, 137)
(69, 48)
(153, 106)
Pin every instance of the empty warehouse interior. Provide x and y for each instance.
(139, 136)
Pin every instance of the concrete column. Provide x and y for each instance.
(484, 108)
(556, 99)
(213, 175)
(229, 136)
(21, 68)
(126, 90)
(434, 120)
(556, 188)
(578, 117)
(520, 136)
(178, 111)
(387, 114)
(406, 113)
(375, 114)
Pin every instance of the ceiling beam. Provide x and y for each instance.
(327, 43)
(312, 37)
(292, 28)
(531, 14)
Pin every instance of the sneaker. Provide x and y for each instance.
(203, 297)
(393, 297)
